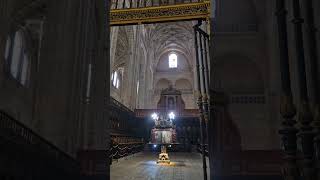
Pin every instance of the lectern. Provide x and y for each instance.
(163, 134)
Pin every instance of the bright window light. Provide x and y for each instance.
(173, 60)
(138, 84)
(115, 77)
(118, 84)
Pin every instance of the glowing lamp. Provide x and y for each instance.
(154, 116)
(172, 115)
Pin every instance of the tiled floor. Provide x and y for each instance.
(143, 166)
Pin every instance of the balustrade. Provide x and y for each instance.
(122, 146)
(34, 152)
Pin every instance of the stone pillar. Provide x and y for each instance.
(5, 23)
(113, 42)
(56, 75)
(212, 144)
(95, 158)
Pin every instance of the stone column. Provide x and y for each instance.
(213, 145)
(54, 95)
(95, 158)
(113, 42)
(134, 64)
(4, 21)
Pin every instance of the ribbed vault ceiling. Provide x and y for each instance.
(164, 37)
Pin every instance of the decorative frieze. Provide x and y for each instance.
(186, 11)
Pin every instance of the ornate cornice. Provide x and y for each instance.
(186, 11)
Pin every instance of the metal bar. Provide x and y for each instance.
(204, 78)
(314, 64)
(202, 128)
(206, 75)
(305, 118)
(288, 130)
(207, 59)
(202, 75)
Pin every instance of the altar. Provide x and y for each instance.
(164, 132)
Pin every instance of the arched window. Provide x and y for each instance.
(173, 60)
(138, 86)
(16, 56)
(116, 79)
(8, 46)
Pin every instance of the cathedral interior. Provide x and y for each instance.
(159, 89)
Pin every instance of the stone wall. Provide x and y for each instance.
(65, 96)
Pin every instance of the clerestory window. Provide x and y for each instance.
(173, 60)
(17, 57)
(115, 79)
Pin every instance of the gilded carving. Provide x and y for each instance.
(159, 14)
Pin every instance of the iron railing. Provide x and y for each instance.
(199, 149)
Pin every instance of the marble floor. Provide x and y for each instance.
(143, 166)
